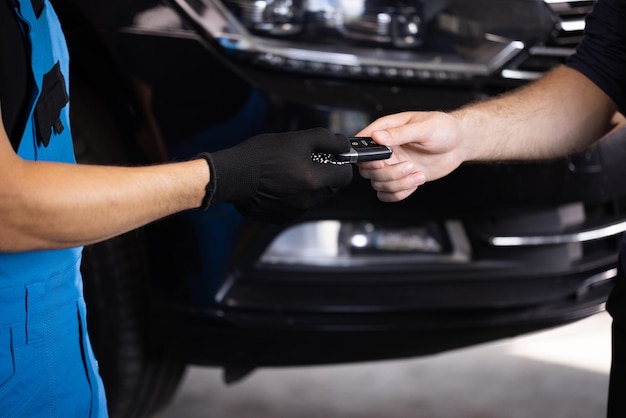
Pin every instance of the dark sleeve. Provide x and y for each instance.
(601, 55)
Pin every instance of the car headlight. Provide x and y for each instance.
(333, 243)
(436, 39)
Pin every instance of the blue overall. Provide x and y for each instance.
(47, 367)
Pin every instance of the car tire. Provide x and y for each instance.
(140, 373)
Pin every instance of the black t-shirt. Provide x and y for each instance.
(601, 55)
(15, 73)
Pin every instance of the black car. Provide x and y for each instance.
(489, 252)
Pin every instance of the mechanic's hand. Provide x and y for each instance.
(271, 177)
(426, 146)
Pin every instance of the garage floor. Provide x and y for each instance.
(557, 373)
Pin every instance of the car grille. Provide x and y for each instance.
(570, 24)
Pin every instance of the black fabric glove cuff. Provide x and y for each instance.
(211, 186)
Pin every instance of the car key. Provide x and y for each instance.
(361, 149)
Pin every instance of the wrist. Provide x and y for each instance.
(235, 174)
(469, 135)
(211, 181)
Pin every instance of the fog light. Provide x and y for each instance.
(424, 239)
(314, 243)
(345, 244)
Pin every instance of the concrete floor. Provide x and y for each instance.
(552, 374)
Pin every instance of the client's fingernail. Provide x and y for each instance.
(419, 179)
(408, 169)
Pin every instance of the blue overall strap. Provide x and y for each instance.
(47, 135)
(47, 366)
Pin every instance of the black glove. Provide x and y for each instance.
(272, 178)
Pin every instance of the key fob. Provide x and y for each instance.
(364, 149)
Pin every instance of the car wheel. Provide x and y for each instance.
(140, 374)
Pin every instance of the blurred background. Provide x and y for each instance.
(562, 372)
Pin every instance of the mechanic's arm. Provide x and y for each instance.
(47, 205)
(269, 177)
(559, 114)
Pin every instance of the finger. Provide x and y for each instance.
(388, 172)
(317, 139)
(327, 142)
(414, 132)
(372, 165)
(394, 197)
(410, 182)
(386, 122)
(420, 130)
